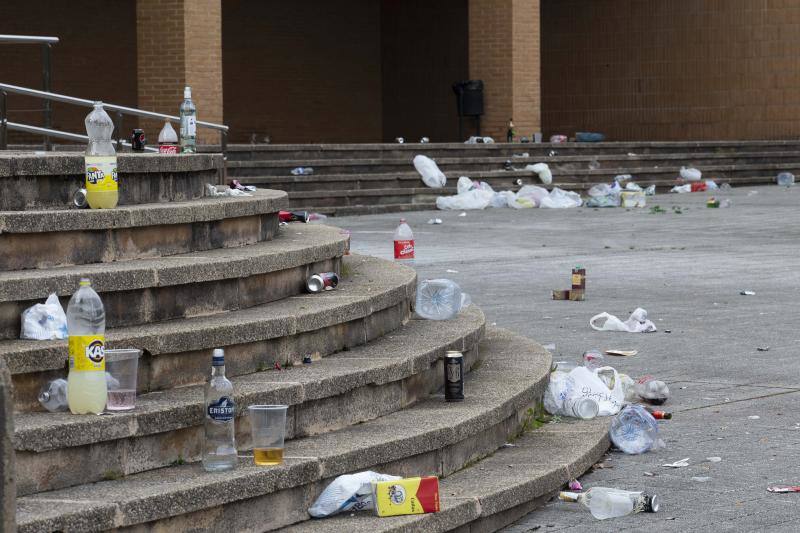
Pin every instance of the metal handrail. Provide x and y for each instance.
(63, 134)
(27, 39)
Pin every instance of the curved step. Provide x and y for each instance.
(373, 298)
(431, 438)
(47, 180)
(343, 389)
(201, 283)
(41, 239)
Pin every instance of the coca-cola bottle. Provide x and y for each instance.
(404, 243)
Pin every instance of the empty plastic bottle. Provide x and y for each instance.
(102, 191)
(785, 178)
(86, 326)
(652, 390)
(167, 139)
(593, 359)
(404, 243)
(604, 502)
(634, 430)
(561, 397)
(188, 114)
(584, 408)
(53, 396)
(440, 299)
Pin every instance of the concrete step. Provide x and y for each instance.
(496, 491)
(42, 239)
(308, 152)
(47, 180)
(430, 438)
(61, 450)
(201, 283)
(449, 165)
(374, 297)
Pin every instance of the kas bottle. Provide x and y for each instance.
(219, 447)
(86, 325)
(404, 243)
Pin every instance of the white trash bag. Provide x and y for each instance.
(543, 171)
(602, 385)
(44, 322)
(431, 175)
(474, 199)
(351, 492)
(559, 198)
(636, 323)
(691, 174)
(528, 196)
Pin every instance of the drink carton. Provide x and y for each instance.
(415, 495)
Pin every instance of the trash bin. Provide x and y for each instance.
(469, 101)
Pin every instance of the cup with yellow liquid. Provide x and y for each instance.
(268, 428)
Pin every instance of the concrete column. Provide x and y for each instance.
(8, 491)
(504, 52)
(179, 43)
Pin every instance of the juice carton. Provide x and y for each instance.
(415, 495)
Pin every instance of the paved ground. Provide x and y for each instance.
(686, 270)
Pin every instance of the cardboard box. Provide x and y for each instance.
(415, 495)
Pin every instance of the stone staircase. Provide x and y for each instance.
(374, 178)
(180, 275)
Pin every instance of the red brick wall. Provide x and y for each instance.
(302, 71)
(672, 69)
(424, 51)
(96, 58)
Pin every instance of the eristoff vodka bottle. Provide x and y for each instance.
(188, 114)
(219, 447)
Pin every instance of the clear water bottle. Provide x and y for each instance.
(593, 359)
(440, 299)
(86, 326)
(188, 114)
(404, 243)
(652, 390)
(583, 408)
(604, 502)
(53, 396)
(634, 430)
(102, 190)
(785, 179)
(219, 447)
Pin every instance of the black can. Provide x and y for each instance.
(137, 140)
(454, 376)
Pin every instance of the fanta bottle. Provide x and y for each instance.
(101, 161)
(404, 243)
(86, 326)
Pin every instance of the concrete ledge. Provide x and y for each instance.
(47, 180)
(344, 389)
(432, 437)
(201, 283)
(44, 239)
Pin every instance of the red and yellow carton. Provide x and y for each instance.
(414, 495)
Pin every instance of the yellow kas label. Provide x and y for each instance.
(101, 173)
(87, 353)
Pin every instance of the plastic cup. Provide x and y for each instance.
(122, 367)
(268, 428)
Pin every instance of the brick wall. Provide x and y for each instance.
(96, 58)
(424, 51)
(672, 69)
(302, 71)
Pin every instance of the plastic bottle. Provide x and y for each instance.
(785, 178)
(219, 446)
(168, 139)
(584, 408)
(634, 430)
(652, 390)
(188, 114)
(593, 359)
(604, 502)
(53, 396)
(86, 326)
(102, 187)
(440, 299)
(404, 243)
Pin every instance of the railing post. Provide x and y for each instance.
(223, 144)
(118, 128)
(3, 121)
(46, 79)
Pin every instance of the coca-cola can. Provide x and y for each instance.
(326, 281)
(137, 140)
(453, 376)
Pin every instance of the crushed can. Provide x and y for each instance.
(326, 281)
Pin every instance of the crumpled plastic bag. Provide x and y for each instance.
(528, 196)
(479, 140)
(465, 185)
(543, 171)
(636, 323)
(604, 189)
(44, 322)
(691, 174)
(609, 200)
(559, 198)
(650, 191)
(350, 492)
(223, 190)
(502, 199)
(474, 199)
(602, 385)
(431, 175)
(682, 188)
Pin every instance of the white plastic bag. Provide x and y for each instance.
(501, 199)
(559, 198)
(681, 188)
(543, 171)
(474, 199)
(464, 185)
(44, 322)
(431, 175)
(603, 385)
(528, 196)
(351, 492)
(636, 323)
(604, 189)
(691, 174)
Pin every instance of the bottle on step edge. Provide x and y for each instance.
(102, 185)
(219, 446)
(86, 325)
(188, 114)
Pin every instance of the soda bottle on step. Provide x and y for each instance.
(219, 446)
(102, 190)
(188, 114)
(404, 243)
(86, 325)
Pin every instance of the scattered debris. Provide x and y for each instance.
(753, 417)
(550, 347)
(713, 459)
(649, 474)
(575, 485)
(748, 293)
(451, 271)
(302, 171)
(578, 291)
(783, 489)
(462, 214)
(701, 479)
(435, 221)
(636, 323)
(677, 464)
(622, 353)
(762, 348)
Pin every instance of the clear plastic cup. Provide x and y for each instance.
(122, 367)
(268, 428)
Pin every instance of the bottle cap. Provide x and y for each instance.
(187, 92)
(219, 357)
(85, 282)
(651, 503)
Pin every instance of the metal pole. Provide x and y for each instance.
(118, 127)
(46, 78)
(3, 121)
(223, 140)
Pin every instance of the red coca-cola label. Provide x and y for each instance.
(168, 148)
(404, 249)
